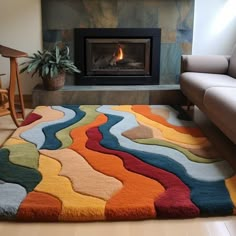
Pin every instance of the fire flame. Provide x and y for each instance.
(120, 55)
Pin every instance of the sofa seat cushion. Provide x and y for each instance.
(194, 85)
(220, 106)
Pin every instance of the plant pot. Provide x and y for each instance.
(54, 83)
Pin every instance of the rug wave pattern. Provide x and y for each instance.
(127, 162)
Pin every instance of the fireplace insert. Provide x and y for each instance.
(117, 56)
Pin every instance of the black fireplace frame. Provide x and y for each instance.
(80, 36)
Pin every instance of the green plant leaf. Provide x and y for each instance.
(50, 62)
(51, 72)
(57, 53)
(45, 70)
(23, 69)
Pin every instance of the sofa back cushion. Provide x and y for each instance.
(232, 64)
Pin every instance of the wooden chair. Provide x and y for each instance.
(7, 96)
(3, 99)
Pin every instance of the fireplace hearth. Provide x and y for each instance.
(117, 56)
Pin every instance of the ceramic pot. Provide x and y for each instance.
(54, 83)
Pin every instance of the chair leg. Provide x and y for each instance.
(1, 95)
(22, 105)
(13, 80)
(13, 112)
(13, 54)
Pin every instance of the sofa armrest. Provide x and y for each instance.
(216, 64)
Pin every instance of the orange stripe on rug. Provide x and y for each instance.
(83, 177)
(31, 208)
(167, 132)
(153, 136)
(145, 111)
(75, 206)
(137, 191)
(163, 112)
(165, 206)
(231, 186)
(157, 133)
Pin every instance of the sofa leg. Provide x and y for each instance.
(189, 105)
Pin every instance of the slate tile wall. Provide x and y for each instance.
(174, 17)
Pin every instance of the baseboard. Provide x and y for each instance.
(27, 100)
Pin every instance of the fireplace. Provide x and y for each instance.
(117, 56)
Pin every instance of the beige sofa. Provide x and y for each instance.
(210, 83)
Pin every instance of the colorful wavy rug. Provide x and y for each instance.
(89, 163)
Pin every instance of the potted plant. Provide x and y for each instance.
(51, 65)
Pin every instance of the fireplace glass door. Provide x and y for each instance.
(117, 56)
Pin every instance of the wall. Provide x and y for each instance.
(214, 26)
(20, 24)
(20, 28)
(174, 17)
